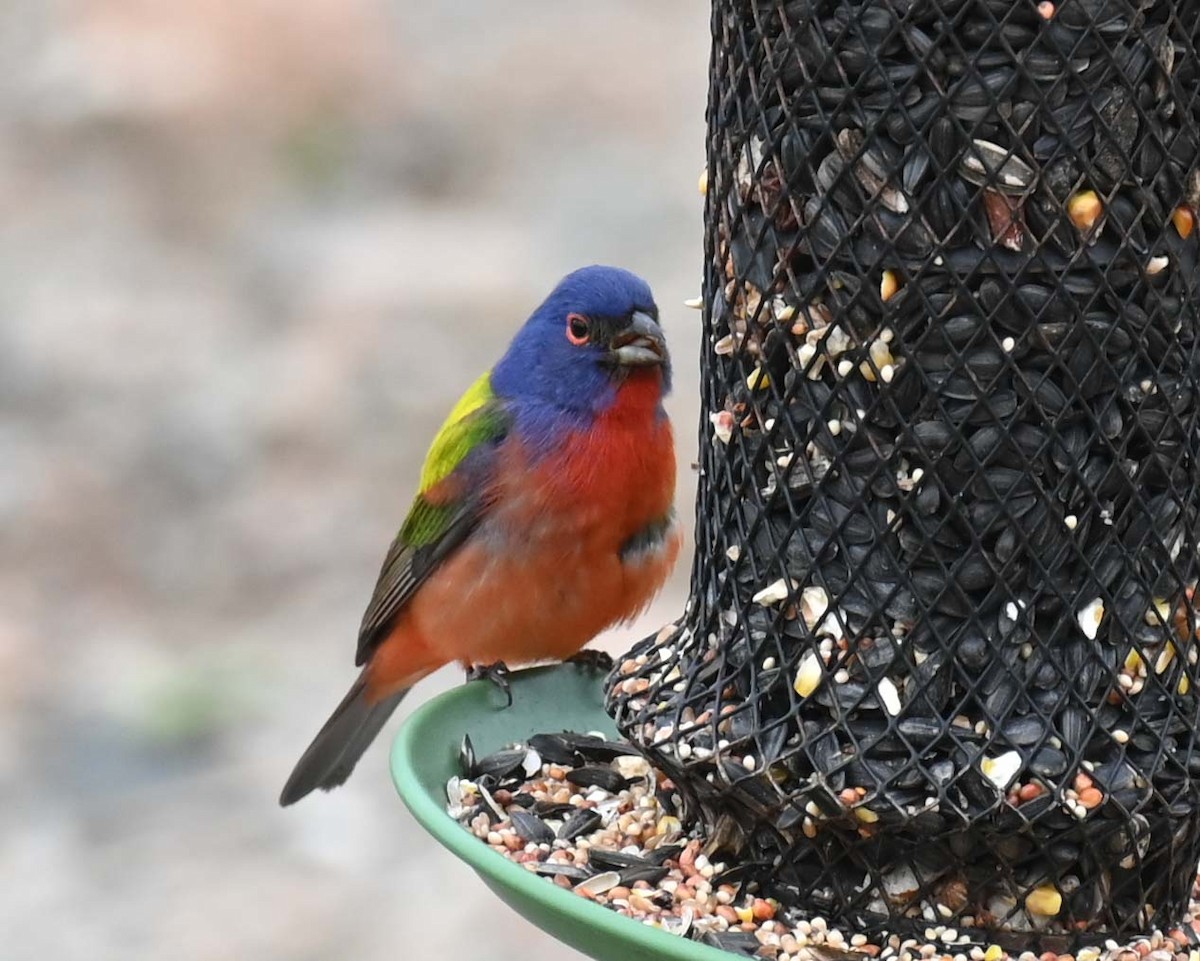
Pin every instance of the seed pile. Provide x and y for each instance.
(941, 653)
(588, 816)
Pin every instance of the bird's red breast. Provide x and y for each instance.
(550, 566)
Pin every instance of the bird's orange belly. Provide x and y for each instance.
(547, 602)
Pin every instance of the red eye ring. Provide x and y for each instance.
(579, 329)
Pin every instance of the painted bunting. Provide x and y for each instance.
(545, 512)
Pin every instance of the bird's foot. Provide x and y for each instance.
(495, 673)
(592, 660)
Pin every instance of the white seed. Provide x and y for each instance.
(632, 766)
(1120, 736)
(1156, 265)
(1002, 770)
(773, 593)
(1165, 657)
(805, 354)
(808, 676)
(1090, 617)
(845, 368)
(1008, 344)
(1071, 521)
(889, 696)
(723, 424)
(814, 602)
(835, 427)
(768, 663)
(749, 763)
(837, 341)
(533, 763)
(599, 883)
(887, 373)
(881, 355)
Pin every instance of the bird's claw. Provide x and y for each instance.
(494, 673)
(592, 660)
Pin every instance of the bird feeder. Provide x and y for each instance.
(939, 662)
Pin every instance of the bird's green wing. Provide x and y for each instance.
(448, 506)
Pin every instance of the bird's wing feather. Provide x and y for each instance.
(451, 500)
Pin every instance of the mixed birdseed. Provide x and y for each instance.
(941, 648)
(590, 817)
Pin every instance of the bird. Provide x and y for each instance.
(544, 514)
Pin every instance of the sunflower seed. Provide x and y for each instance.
(991, 165)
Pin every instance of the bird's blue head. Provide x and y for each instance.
(597, 330)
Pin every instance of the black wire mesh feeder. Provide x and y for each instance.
(939, 663)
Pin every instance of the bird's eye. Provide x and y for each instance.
(578, 329)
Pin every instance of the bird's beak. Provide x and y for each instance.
(641, 344)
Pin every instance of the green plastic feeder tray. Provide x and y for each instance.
(545, 699)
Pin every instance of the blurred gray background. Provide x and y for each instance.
(250, 253)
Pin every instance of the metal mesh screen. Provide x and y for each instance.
(939, 662)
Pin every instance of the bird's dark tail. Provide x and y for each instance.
(340, 743)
